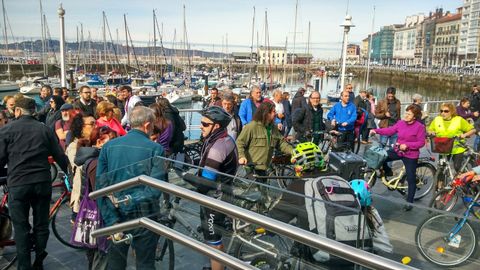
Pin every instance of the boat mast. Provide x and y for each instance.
(308, 53)
(154, 47)
(284, 79)
(105, 42)
(367, 79)
(6, 39)
(294, 40)
(126, 39)
(251, 47)
(42, 23)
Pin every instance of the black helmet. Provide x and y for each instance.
(217, 115)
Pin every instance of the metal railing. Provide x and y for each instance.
(346, 252)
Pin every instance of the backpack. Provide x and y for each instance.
(328, 215)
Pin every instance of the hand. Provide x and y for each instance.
(344, 124)
(242, 161)
(403, 147)
(462, 136)
(118, 236)
(373, 132)
(279, 126)
(387, 114)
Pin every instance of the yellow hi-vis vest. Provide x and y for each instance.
(454, 129)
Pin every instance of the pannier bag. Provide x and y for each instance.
(330, 214)
(442, 145)
(375, 156)
(347, 165)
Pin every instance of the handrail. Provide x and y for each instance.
(335, 248)
(171, 234)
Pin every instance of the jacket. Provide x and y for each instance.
(474, 99)
(247, 111)
(252, 144)
(87, 109)
(177, 140)
(303, 120)
(449, 129)
(288, 112)
(121, 159)
(413, 135)
(298, 101)
(25, 145)
(342, 114)
(382, 108)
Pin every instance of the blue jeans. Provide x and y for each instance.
(388, 140)
(476, 143)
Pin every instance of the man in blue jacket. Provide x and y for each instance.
(249, 106)
(342, 116)
(121, 159)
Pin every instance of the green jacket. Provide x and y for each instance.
(252, 144)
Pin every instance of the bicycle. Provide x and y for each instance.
(58, 228)
(241, 232)
(447, 240)
(425, 173)
(447, 198)
(445, 173)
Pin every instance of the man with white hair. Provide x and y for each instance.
(279, 109)
(121, 159)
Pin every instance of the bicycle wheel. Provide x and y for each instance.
(53, 171)
(431, 236)
(370, 177)
(8, 255)
(425, 175)
(445, 199)
(165, 254)
(62, 224)
(193, 152)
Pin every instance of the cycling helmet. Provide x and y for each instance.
(217, 115)
(362, 190)
(308, 156)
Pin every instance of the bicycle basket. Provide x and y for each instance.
(442, 145)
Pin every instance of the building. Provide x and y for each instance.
(426, 39)
(353, 54)
(300, 58)
(445, 44)
(272, 55)
(382, 45)
(469, 33)
(364, 50)
(244, 57)
(405, 39)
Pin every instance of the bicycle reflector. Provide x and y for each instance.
(308, 155)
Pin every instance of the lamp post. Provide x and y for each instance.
(347, 24)
(61, 14)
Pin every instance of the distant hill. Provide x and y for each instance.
(54, 45)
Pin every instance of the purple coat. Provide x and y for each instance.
(413, 135)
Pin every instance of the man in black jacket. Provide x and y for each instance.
(298, 100)
(85, 103)
(309, 119)
(474, 99)
(25, 145)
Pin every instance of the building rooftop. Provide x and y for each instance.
(449, 18)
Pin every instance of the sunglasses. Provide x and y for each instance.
(444, 111)
(205, 124)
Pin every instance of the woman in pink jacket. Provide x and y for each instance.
(411, 137)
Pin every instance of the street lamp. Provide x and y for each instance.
(61, 14)
(347, 24)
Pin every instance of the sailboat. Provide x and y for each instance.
(7, 86)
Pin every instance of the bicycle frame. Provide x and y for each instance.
(456, 229)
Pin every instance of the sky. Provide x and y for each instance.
(213, 23)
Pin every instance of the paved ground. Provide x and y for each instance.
(399, 225)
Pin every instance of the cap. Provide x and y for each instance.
(25, 103)
(66, 107)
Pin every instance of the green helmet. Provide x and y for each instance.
(308, 155)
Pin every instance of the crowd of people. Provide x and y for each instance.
(98, 136)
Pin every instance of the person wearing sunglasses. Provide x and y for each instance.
(219, 154)
(259, 138)
(54, 114)
(448, 124)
